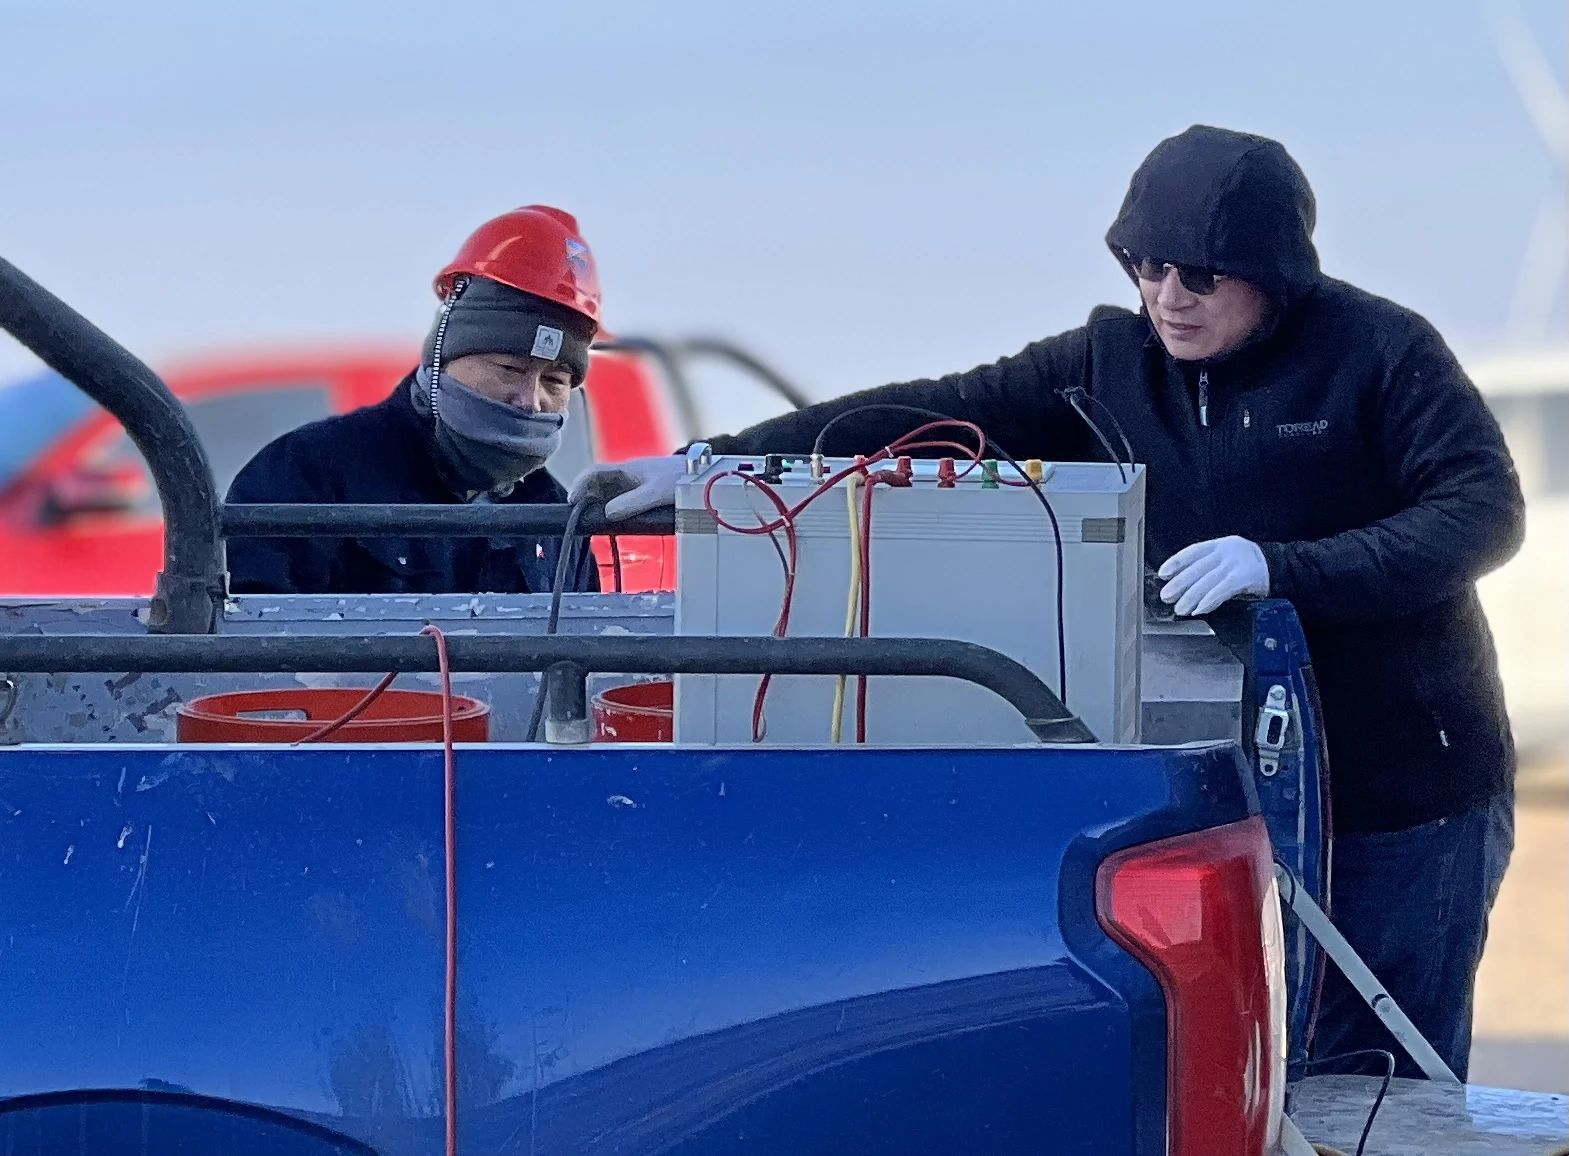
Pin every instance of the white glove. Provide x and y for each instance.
(1207, 574)
(632, 487)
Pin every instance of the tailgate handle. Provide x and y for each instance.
(1274, 723)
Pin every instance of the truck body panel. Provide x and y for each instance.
(660, 949)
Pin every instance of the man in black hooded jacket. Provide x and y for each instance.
(1306, 440)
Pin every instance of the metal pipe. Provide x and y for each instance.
(302, 520)
(770, 377)
(675, 377)
(1292, 1142)
(733, 353)
(190, 588)
(673, 358)
(566, 690)
(1043, 711)
(1335, 945)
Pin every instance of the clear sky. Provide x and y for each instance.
(862, 192)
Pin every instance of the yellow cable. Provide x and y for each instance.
(852, 483)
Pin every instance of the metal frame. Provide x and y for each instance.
(190, 590)
(283, 520)
(566, 662)
(1335, 945)
(193, 584)
(673, 357)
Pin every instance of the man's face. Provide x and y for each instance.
(531, 384)
(1193, 325)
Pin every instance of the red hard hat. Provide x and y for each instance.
(536, 249)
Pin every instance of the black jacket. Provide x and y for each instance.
(385, 454)
(1346, 440)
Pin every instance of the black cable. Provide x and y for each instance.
(617, 577)
(557, 589)
(1098, 432)
(997, 450)
(891, 407)
(1383, 1090)
(1073, 397)
(1127, 446)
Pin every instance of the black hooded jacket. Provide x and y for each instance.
(385, 454)
(1345, 439)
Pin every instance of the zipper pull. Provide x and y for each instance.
(1204, 397)
(447, 303)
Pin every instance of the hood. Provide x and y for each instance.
(1228, 201)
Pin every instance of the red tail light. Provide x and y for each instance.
(1202, 913)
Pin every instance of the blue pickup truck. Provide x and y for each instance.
(566, 947)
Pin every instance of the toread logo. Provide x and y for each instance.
(1303, 429)
(547, 343)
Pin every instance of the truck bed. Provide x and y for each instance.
(1421, 1118)
(661, 949)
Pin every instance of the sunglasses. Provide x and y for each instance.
(1200, 281)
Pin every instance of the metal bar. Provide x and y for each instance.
(725, 351)
(302, 520)
(675, 377)
(1043, 711)
(566, 690)
(1292, 1142)
(1362, 978)
(190, 588)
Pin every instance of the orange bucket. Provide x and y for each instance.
(639, 712)
(292, 713)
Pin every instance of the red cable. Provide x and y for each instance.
(450, 840)
(790, 562)
(866, 598)
(786, 522)
(976, 456)
(949, 423)
(786, 513)
(975, 462)
(349, 715)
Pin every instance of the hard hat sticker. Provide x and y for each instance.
(577, 256)
(547, 343)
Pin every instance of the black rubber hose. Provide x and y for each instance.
(558, 588)
(190, 589)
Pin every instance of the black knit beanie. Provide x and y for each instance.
(489, 317)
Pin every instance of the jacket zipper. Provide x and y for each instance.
(447, 303)
(1211, 474)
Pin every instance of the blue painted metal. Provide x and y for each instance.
(1293, 800)
(662, 950)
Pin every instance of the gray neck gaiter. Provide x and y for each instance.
(485, 445)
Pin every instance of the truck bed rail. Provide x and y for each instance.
(190, 588)
(566, 661)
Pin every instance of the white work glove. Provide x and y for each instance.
(1207, 574)
(632, 487)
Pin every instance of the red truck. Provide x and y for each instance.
(79, 514)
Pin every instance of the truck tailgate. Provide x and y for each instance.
(660, 949)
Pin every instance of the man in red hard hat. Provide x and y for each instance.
(474, 422)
